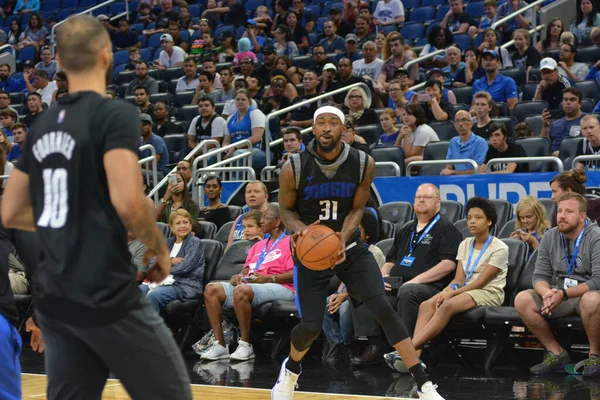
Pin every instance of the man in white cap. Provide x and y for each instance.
(329, 183)
(327, 78)
(171, 55)
(550, 89)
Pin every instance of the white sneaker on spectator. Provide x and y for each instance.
(243, 352)
(215, 352)
(428, 392)
(285, 385)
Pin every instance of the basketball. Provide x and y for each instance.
(317, 249)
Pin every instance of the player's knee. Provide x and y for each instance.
(305, 333)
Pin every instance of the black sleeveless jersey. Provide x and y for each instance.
(85, 275)
(325, 191)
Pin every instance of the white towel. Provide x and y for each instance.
(169, 280)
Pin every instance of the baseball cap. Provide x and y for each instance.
(28, 63)
(269, 49)
(401, 71)
(492, 53)
(251, 22)
(103, 17)
(334, 10)
(225, 35)
(250, 60)
(351, 37)
(363, 5)
(145, 118)
(329, 66)
(433, 71)
(548, 63)
(166, 37)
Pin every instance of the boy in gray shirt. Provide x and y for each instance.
(566, 281)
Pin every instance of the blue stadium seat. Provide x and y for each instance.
(252, 5)
(410, 4)
(181, 99)
(224, 28)
(240, 32)
(70, 4)
(151, 25)
(475, 8)
(313, 39)
(143, 40)
(194, 10)
(590, 54)
(87, 3)
(156, 55)
(441, 12)
(430, 27)
(121, 57)
(536, 147)
(139, 27)
(116, 8)
(119, 68)
(412, 31)
(98, 11)
(421, 14)
(51, 5)
(589, 89)
(387, 29)
(145, 54)
(517, 74)
(434, 3)
(463, 41)
(8, 20)
(184, 35)
(316, 8)
(154, 40)
(27, 53)
(320, 23)
(177, 145)
(63, 14)
(420, 43)
(526, 108)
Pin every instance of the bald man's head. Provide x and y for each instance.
(81, 41)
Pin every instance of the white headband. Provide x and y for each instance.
(329, 110)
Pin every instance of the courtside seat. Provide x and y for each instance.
(504, 210)
(165, 229)
(397, 212)
(463, 228)
(507, 229)
(451, 210)
(233, 261)
(208, 229)
(385, 245)
(391, 153)
(235, 211)
(222, 234)
(389, 229)
(185, 316)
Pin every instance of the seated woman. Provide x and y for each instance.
(275, 99)
(357, 105)
(337, 323)
(480, 276)
(531, 222)
(415, 133)
(267, 276)
(176, 197)
(490, 42)
(35, 33)
(552, 39)
(216, 212)
(257, 198)
(186, 279)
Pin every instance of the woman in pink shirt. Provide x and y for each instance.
(267, 276)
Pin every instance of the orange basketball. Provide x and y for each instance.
(317, 249)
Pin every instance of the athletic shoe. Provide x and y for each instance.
(551, 363)
(215, 352)
(394, 361)
(243, 352)
(286, 384)
(592, 367)
(428, 392)
(244, 369)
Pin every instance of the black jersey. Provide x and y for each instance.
(325, 190)
(85, 275)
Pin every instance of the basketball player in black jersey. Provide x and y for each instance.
(78, 185)
(330, 183)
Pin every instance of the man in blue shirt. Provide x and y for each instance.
(162, 153)
(306, 17)
(465, 145)
(501, 88)
(594, 73)
(9, 83)
(569, 125)
(454, 67)
(20, 135)
(27, 6)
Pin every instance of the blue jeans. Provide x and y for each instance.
(338, 327)
(159, 297)
(10, 366)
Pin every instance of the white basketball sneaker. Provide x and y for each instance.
(286, 384)
(243, 352)
(428, 392)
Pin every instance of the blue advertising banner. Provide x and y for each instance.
(511, 187)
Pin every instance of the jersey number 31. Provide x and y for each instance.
(329, 210)
(56, 195)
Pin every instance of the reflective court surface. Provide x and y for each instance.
(456, 378)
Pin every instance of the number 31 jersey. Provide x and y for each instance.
(84, 275)
(325, 190)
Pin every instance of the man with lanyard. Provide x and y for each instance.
(568, 256)
(422, 260)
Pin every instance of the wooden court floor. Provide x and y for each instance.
(34, 387)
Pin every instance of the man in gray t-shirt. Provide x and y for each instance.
(566, 282)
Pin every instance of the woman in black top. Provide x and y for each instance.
(164, 126)
(216, 212)
(299, 33)
(357, 106)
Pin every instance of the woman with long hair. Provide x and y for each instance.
(380, 42)
(284, 42)
(282, 64)
(586, 19)
(490, 42)
(531, 223)
(298, 32)
(15, 33)
(438, 39)
(6, 167)
(415, 133)
(35, 34)
(176, 197)
(553, 31)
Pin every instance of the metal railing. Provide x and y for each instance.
(220, 164)
(205, 172)
(519, 12)
(526, 160)
(153, 170)
(412, 164)
(89, 10)
(422, 58)
(303, 103)
(581, 159)
(8, 46)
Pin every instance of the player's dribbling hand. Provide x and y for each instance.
(341, 250)
(37, 341)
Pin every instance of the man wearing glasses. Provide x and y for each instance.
(567, 65)
(465, 145)
(424, 257)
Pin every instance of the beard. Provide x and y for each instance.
(329, 148)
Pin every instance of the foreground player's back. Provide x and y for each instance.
(85, 271)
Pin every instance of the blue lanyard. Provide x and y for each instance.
(469, 271)
(264, 251)
(571, 261)
(425, 232)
